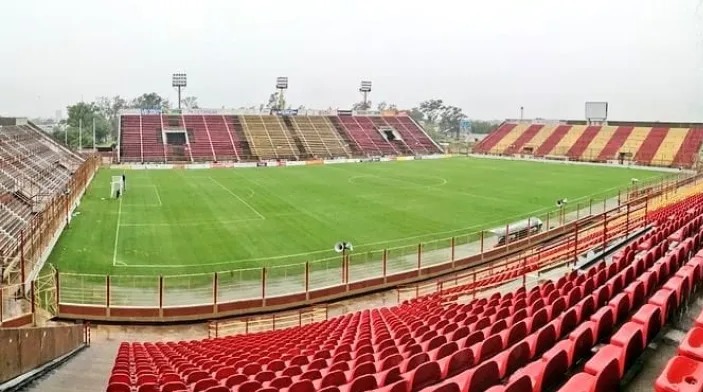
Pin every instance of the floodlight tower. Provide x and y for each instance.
(281, 85)
(179, 81)
(365, 89)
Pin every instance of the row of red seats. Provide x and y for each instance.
(547, 371)
(608, 366)
(402, 347)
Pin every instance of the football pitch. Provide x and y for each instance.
(193, 221)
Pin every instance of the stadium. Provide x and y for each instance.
(150, 247)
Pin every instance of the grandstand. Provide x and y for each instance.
(668, 145)
(34, 171)
(582, 331)
(541, 312)
(228, 136)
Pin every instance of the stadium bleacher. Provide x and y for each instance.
(220, 137)
(674, 145)
(598, 319)
(33, 170)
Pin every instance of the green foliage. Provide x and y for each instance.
(361, 105)
(77, 129)
(207, 220)
(275, 102)
(190, 103)
(150, 101)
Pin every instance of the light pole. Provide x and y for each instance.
(365, 89)
(179, 81)
(281, 86)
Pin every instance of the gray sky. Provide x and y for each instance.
(487, 56)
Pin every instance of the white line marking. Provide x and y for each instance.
(120, 264)
(206, 223)
(117, 232)
(158, 196)
(238, 198)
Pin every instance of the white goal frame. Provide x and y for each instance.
(117, 184)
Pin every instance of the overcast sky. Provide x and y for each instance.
(645, 57)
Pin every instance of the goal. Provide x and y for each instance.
(116, 186)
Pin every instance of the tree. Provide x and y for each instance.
(275, 103)
(110, 108)
(451, 117)
(432, 109)
(362, 105)
(417, 115)
(150, 101)
(190, 102)
(79, 124)
(483, 127)
(382, 106)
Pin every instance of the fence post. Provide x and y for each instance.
(385, 263)
(107, 293)
(481, 245)
(307, 277)
(453, 251)
(263, 284)
(576, 242)
(1, 301)
(605, 228)
(419, 257)
(161, 295)
(214, 292)
(22, 271)
(33, 303)
(58, 291)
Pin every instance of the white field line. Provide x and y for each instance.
(206, 222)
(238, 198)
(117, 232)
(152, 205)
(158, 196)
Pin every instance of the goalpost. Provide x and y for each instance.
(116, 186)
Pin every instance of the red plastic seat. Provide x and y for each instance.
(666, 300)
(478, 378)
(692, 344)
(603, 320)
(681, 374)
(177, 386)
(649, 317)
(426, 374)
(456, 363)
(547, 372)
(118, 387)
(541, 341)
(605, 381)
(449, 387)
(512, 358)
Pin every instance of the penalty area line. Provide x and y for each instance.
(238, 198)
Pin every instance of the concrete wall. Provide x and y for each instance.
(24, 349)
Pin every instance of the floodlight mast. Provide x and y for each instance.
(281, 85)
(365, 89)
(179, 81)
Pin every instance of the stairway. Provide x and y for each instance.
(87, 371)
(350, 142)
(304, 151)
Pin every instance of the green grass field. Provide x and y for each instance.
(191, 221)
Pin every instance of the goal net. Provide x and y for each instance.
(116, 187)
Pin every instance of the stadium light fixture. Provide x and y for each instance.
(281, 85)
(365, 89)
(179, 81)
